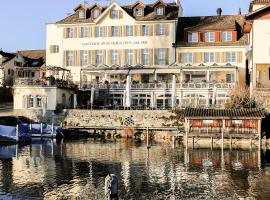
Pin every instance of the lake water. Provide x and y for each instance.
(77, 169)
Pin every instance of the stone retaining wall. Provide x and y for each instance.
(106, 118)
(116, 118)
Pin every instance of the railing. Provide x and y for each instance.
(162, 86)
(43, 83)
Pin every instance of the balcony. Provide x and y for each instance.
(156, 86)
(41, 82)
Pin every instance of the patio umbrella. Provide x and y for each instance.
(128, 87)
(173, 91)
(92, 96)
(153, 99)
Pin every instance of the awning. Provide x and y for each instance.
(142, 71)
(117, 71)
(168, 71)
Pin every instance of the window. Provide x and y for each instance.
(129, 56)
(39, 104)
(114, 57)
(269, 73)
(81, 14)
(188, 57)
(145, 30)
(30, 101)
(114, 30)
(160, 29)
(69, 58)
(209, 57)
(227, 36)
(160, 11)
(96, 13)
(210, 37)
(98, 31)
(129, 30)
(114, 14)
(83, 58)
(99, 57)
(54, 49)
(138, 12)
(229, 78)
(161, 56)
(84, 32)
(145, 56)
(231, 57)
(32, 74)
(70, 32)
(192, 37)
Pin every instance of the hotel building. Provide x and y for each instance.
(123, 53)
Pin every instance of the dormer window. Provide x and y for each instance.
(160, 11)
(227, 36)
(209, 36)
(139, 12)
(114, 14)
(81, 14)
(96, 13)
(192, 37)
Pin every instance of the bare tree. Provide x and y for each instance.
(240, 98)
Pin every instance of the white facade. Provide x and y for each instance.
(56, 32)
(42, 98)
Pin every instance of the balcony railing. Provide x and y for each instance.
(43, 83)
(161, 86)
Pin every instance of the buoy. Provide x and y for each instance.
(111, 186)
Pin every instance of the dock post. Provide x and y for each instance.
(30, 127)
(259, 133)
(52, 129)
(187, 131)
(17, 132)
(147, 139)
(222, 132)
(41, 129)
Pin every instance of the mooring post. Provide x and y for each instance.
(222, 132)
(17, 132)
(187, 131)
(30, 127)
(52, 128)
(41, 129)
(259, 133)
(148, 145)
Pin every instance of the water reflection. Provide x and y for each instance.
(63, 170)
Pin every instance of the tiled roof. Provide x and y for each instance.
(204, 23)
(33, 54)
(224, 113)
(7, 55)
(171, 13)
(260, 1)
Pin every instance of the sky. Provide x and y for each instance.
(23, 22)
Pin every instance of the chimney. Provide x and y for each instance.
(239, 11)
(219, 12)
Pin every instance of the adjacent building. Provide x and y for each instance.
(23, 66)
(211, 56)
(257, 21)
(5, 77)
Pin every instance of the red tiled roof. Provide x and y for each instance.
(249, 113)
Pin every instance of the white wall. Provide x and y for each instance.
(55, 37)
(261, 41)
(53, 94)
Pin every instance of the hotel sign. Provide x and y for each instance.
(112, 43)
